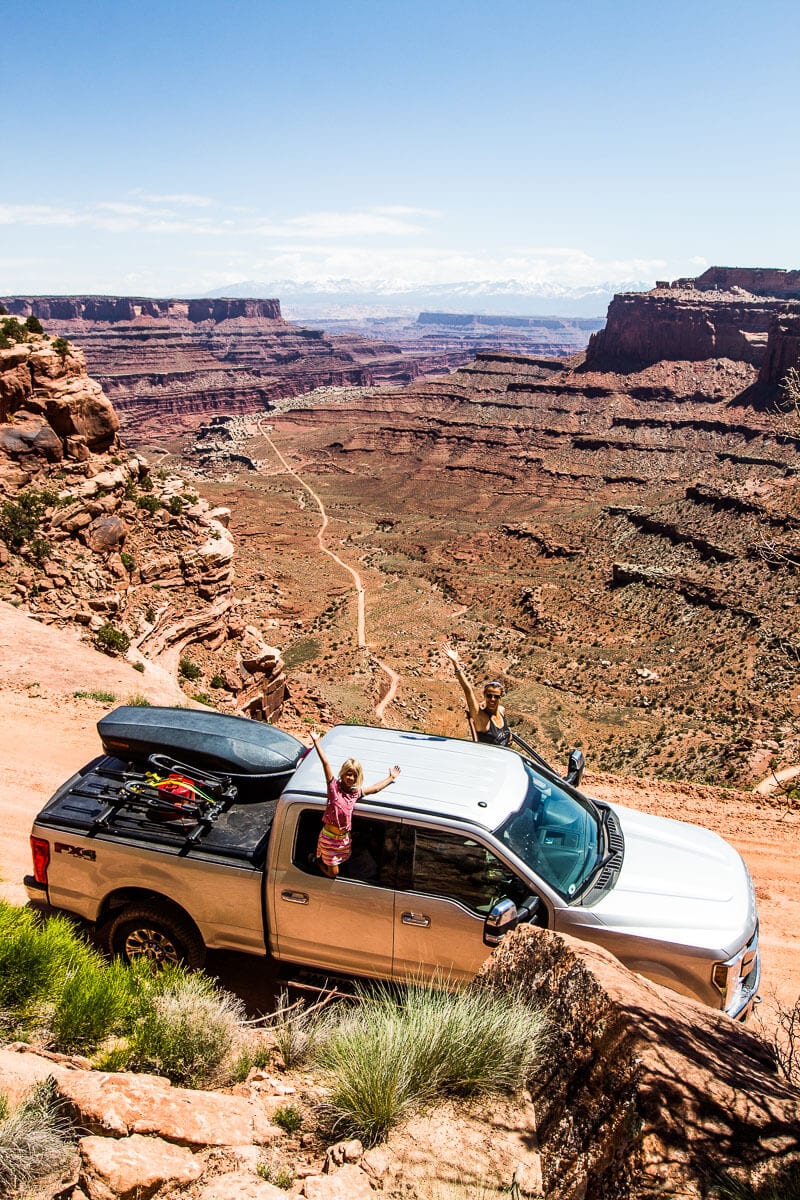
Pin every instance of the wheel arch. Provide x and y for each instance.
(122, 897)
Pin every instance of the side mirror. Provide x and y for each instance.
(500, 921)
(530, 910)
(575, 767)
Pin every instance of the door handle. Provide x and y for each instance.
(295, 897)
(409, 918)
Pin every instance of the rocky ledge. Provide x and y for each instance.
(91, 537)
(725, 313)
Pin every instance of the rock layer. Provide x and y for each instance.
(165, 364)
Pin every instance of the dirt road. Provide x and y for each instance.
(361, 593)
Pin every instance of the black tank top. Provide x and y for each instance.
(494, 736)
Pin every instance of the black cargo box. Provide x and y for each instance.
(259, 758)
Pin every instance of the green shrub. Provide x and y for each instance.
(127, 560)
(138, 666)
(146, 483)
(38, 549)
(175, 505)
(112, 640)
(187, 1031)
(5, 342)
(33, 325)
(33, 1140)
(35, 958)
(217, 681)
(288, 1117)
(149, 503)
(20, 518)
(12, 329)
(188, 669)
(94, 1001)
(101, 697)
(61, 347)
(137, 700)
(253, 1053)
(278, 1174)
(393, 1054)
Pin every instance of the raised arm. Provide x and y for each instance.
(326, 766)
(466, 686)
(378, 787)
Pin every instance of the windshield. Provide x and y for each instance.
(556, 834)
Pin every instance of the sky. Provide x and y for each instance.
(175, 147)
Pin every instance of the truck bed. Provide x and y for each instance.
(98, 802)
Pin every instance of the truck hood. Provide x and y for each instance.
(679, 883)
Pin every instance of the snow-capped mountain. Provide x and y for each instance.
(346, 297)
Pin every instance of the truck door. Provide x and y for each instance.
(447, 883)
(344, 924)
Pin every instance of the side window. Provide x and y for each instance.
(459, 868)
(374, 855)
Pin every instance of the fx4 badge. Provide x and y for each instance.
(75, 851)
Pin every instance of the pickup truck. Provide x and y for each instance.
(198, 830)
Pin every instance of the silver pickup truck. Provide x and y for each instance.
(198, 830)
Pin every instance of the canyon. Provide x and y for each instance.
(614, 536)
(165, 364)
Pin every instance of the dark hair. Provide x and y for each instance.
(494, 683)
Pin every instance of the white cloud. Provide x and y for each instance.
(350, 224)
(388, 246)
(187, 198)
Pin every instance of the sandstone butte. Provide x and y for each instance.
(646, 1092)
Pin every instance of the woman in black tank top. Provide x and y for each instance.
(489, 718)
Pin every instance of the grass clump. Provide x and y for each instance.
(34, 1140)
(288, 1117)
(187, 1029)
(94, 1001)
(276, 1173)
(296, 1031)
(102, 697)
(397, 1052)
(35, 958)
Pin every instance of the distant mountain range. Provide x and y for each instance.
(349, 298)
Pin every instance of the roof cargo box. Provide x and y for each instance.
(257, 757)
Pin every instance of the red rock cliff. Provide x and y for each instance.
(681, 322)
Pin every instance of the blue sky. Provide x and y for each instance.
(180, 146)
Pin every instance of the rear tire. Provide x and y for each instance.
(154, 933)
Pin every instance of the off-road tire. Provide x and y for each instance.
(155, 933)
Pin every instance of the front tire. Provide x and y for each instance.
(153, 933)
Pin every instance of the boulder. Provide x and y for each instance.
(105, 534)
(133, 1168)
(123, 1104)
(236, 1186)
(28, 433)
(348, 1183)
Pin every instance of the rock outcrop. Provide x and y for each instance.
(727, 312)
(167, 364)
(90, 537)
(638, 1095)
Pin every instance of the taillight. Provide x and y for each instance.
(41, 858)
